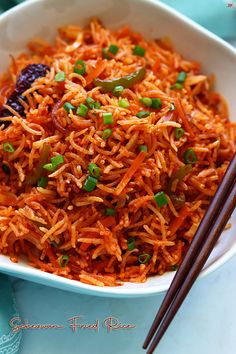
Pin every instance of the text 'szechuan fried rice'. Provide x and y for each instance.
(111, 148)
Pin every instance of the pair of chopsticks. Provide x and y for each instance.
(207, 234)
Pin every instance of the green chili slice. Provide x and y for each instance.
(125, 81)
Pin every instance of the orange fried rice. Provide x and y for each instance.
(105, 178)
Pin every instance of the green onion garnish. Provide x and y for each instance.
(105, 55)
(80, 67)
(82, 110)
(68, 106)
(172, 107)
(94, 170)
(160, 199)
(110, 212)
(113, 49)
(181, 77)
(143, 148)
(156, 103)
(49, 167)
(57, 160)
(106, 134)
(42, 182)
(143, 114)
(64, 260)
(107, 118)
(179, 132)
(146, 101)
(118, 90)
(90, 102)
(131, 243)
(60, 77)
(139, 51)
(7, 147)
(123, 103)
(97, 105)
(6, 169)
(190, 156)
(90, 184)
(144, 258)
(176, 86)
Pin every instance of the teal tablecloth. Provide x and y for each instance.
(216, 15)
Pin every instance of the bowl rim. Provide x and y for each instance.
(119, 291)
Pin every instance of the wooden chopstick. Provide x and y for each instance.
(201, 259)
(198, 240)
(195, 247)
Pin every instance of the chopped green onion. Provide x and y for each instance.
(131, 243)
(82, 110)
(143, 114)
(64, 260)
(123, 103)
(42, 182)
(176, 86)
(113, 49)
(174, 267)
(90, 184)
(92, 104)
(179, 132)
(60, 77)
(105, 54)
(107, 118)
(106, 134)
(68, 106)
(57, 160)
(80, 67)
(110, 212)
(156, 103)
(7, 147)
(144, 258)
(139, 51)
(190, 156)
(6, 169)
(181, 77)
(94, 170)
(97, 105)
(49, 167)
(146, 101)
(143, 148)
(118, 90)
(172, 107)
(161, 199)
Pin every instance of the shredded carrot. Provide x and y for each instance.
(182, 115)
(108, 221)
(179, 220)
(156, 66)
(131, 171)
(52, 257)
(100, 66)
(84, 246)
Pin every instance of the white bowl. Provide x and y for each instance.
(41, 18)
